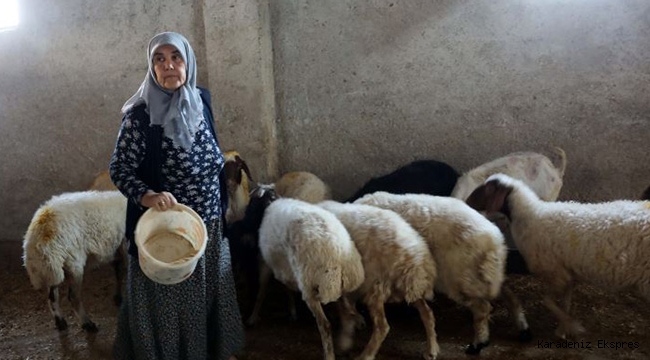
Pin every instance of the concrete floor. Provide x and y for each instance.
(27, 329)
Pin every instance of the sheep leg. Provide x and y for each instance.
(265, 276)
(293, 313)
(429, 322)
(481, 311)
(54, 304)
(566, 298)
(517, 313)
(348, 315)
(324, 328)
(567, 325)
(74, 295)
(380, 328)
(358, 321)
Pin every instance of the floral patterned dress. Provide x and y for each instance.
(198, 318)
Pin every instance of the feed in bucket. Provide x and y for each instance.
(170, 243)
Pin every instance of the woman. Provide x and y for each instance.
(167, 152)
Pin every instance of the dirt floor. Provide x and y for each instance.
(27, 329)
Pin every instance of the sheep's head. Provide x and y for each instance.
(492, 195)
(234, 167)
(260, 198)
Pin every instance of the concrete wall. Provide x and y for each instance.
(71, 64)
(345, 89)
(364, 87)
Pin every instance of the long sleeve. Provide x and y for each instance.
(129, 153)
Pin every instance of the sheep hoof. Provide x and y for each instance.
(430, 356)
(476, 349)
(60, 323)
(525, 336)
(90, 327)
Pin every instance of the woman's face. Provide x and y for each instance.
(169, 67)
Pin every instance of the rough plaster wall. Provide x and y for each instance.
(240, 64)
(364, 87)
(71, 65)
(361, 88)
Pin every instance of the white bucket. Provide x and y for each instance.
(170, 243)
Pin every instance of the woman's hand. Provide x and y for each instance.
(161, 201)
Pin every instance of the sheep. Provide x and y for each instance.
(419, 177)
(303, 186)
(603, 244)
(398, 267)
(534, 169)
(103, 182)
(239, 179)
(307, 249)
(242, 248)
(299, 185)
(64, 233)
(469, 252)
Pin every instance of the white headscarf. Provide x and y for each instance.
(179, 112)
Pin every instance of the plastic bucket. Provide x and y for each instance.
(170, 243)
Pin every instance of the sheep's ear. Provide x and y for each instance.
(238, 162)
(496, 194)
(489, 197)
(244, 166)
(477, 199)
(258, 192)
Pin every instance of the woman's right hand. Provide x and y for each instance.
(161, 201)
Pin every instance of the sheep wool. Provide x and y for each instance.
(604, 244)
(398, 267)
(469, 250)
(309, 250)
(64, 232)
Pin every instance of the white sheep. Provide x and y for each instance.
(534, 169)
(468, 249)
(238, 183)
(64, 233)
(302, 185)
(307, 249)
(564, 243)
(398, 267)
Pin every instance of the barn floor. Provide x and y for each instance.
(27, 329)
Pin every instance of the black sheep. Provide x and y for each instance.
(419, 177)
